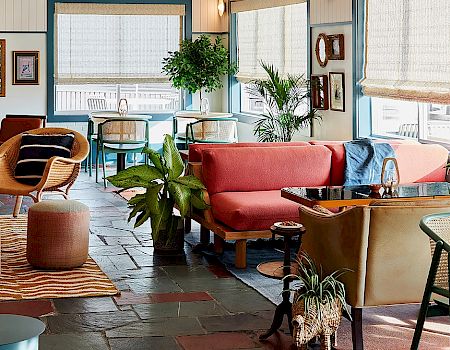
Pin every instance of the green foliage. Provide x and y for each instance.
(165, 188)
(287, 105)
(199, 64)
(316, 289)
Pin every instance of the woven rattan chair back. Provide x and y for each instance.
(126, 131)
(212, 130)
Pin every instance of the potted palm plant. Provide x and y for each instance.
(286, 101)
(317, 305)
(165, 186)
(199, 65)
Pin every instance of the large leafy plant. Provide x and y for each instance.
(286, 101)
(317, 290)
(199, 64)
(165, 187)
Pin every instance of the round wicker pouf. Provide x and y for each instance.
(58, 234)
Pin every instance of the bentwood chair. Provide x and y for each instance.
(212, 130)
(121, 135)
(59, 174)
(437, 227)
(382, 246)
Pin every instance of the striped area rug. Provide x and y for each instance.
(19, 280)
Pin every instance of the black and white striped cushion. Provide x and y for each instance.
(36, 150)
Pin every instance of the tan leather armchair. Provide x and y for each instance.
(383, 246)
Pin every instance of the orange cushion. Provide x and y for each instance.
(250, 211)
(15, 126)
(196, 149)
(265, 168)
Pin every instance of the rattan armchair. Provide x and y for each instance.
(59, 174)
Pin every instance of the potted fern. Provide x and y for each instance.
(317, 304)
(165, 187)
(286, 100)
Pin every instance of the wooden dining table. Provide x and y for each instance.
(343, 196)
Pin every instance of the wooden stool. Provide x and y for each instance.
(58, 234)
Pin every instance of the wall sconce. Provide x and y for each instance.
(221, 7)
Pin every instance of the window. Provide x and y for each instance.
(406, 71)
(112, 51)
(276, 35)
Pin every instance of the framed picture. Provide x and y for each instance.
(319, 91)
(337, 91)
(26, 67)
(2, 67)
(322, 49)
(336, 47)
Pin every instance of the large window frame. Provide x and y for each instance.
(72, 117)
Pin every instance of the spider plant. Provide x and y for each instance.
(317, 290)
(286, 101)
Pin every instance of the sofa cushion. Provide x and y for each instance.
(251, 211)
(196, 149)
(265, 168)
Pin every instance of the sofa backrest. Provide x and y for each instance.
(196, 149)
(417, 162)
(246, 169)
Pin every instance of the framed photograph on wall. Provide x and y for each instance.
(26, 67)
(336, 47)
(319, 92)
(2, 67)
(337, 91)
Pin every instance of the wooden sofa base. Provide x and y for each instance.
(223, 233)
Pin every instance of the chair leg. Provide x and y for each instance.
(97, 163)
(241, 254)
(219, 244)
(104, 166)
(427, 295)
(187, 225)
(89, 160)
(204, 235)
(17, 206)
(357, 335)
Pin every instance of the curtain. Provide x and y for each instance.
(98, 45)
(407, 55)
(276, 36)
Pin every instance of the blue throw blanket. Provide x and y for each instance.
(364, 160)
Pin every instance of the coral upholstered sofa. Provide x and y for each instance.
(243, 181)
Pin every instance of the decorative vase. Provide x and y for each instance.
(174, 246)
(307, 325)
(204, 106)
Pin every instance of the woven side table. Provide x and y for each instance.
(278, 270)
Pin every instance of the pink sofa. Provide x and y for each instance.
(243, 182)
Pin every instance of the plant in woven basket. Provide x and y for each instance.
(165, 187)
(318, 303)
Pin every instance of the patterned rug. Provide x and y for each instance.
(19, 280)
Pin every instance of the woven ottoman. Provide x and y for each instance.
(58, 234)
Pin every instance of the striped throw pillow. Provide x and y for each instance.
(36, 150)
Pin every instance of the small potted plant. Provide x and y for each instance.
(165, 187)
(317, 305)
(198, 65)
(286, 101)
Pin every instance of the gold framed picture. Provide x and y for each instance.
(26, 67)
(337, 91)
(2, 67)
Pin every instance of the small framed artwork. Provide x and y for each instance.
(2, 67)
(322, 49)
(337, 92)
(336, 47)
(319, 92)
(26, 67)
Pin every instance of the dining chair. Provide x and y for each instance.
(13, 125)
(94, 104)
(120, 135)
(212, 130)
(437, 228)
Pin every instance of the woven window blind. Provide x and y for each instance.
(249, 5)
(276, 36)
(407, 50)
(98, 45)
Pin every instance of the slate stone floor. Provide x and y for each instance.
(166, 303)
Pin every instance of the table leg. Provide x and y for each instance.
(121, 161)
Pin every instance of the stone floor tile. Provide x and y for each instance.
(129, 240)
(278, 341)
(130, 298)
(33, 308)
(144, 343)
(158, 328)
(217, 341)
(233, 323)
(220, 271)
(89, 322)
(192, 309)
(84, 305)
(109, 231)
(231, 285)
(106, 251)
(181, 297)
(242, 301)
(84, 341)
(153, 285)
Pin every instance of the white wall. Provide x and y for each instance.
(25, 99)
(23, 15)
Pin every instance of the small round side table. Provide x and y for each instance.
(278, 270)
(20, 332)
